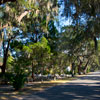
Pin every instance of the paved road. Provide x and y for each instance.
(84, 88)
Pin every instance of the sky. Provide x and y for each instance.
(62, 20)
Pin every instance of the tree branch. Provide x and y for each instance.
(19, 18)
(4, 1)
(22, 15)
(3, 26)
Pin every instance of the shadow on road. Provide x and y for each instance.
(71, 92)
(84, 88)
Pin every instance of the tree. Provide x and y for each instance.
(17, 18)
(85, 26)
(38, 54)
(4, 1)
(85, 12)
(80, 51)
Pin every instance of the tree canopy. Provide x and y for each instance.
(31, 42)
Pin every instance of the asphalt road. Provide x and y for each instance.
(84, 88)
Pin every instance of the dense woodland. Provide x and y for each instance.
(31, 43)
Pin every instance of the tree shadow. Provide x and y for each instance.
(71, 92)
(84, 88)
(7, 93)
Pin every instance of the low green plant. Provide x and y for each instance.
(18, 81)
(6, 78)
(20, 75)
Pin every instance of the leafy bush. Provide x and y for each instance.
(88, 69)
(18, 81)
(19, 77)
(6, 78)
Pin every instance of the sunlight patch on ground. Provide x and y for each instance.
(3, 98)
(16, 97)
(59, 81)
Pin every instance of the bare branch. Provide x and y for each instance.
(19, 18)
(4, 1)
(3, 26)
(22, 16)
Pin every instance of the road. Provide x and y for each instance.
(84, 88)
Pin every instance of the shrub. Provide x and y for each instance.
(6, 78)
(18, 81)
(19, 77)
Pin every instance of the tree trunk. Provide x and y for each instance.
(4, 1)
(85, 67)
(33, 72)
(3, 68)
(96, 43)
(73, 69)
(79, 68)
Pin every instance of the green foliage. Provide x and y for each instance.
(9, 63)
(19, 78)
(1, 59)
(15, 44)
(20, 74)
(67, 72)
(87, 10)
(24, 17)
(36, 44)
(52, 37)
(38, 53)
(18, 81)
(88, 69)
(7, 78)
